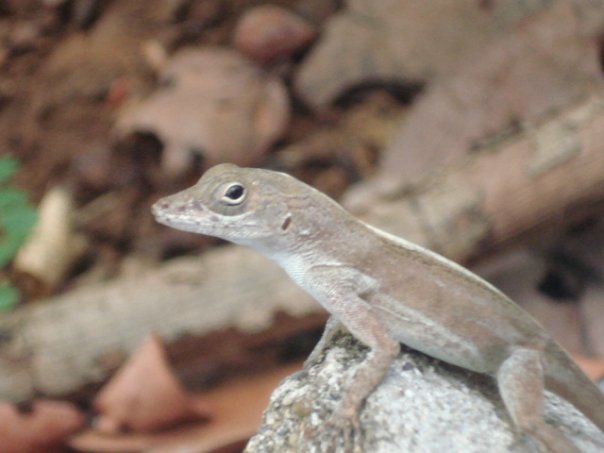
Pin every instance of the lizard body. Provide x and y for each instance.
(387, 291)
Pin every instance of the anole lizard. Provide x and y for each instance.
(386, 291)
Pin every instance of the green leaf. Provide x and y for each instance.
(10, 196)
(8, 166)
(15, 226)
(9, 247)
(8, 296)
(18, 220)
(17, 216)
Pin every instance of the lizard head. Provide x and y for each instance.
(247, 206)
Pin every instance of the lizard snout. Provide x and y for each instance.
(160, 207)
(168, 207)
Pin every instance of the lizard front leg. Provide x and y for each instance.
(341, 297)
(365, 327)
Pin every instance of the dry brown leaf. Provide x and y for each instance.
(592, 366)
(236, 413)
(144, 395)
(46, 425)
(270, 32)
(213, 103)
(53, 245)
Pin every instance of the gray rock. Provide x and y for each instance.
(423, 405)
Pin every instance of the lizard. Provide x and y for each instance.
(386, 291)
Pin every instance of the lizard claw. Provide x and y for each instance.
(343, 431)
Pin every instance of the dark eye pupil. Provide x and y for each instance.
(234, 192)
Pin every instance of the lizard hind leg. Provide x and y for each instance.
(521, 384)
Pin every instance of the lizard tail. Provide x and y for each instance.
(564, 378)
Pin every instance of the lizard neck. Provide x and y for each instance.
(319, 235)
(311, 229)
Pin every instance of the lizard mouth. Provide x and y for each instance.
(177, 215)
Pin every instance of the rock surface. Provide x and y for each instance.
(423, 405)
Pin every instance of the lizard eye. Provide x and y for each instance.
(233, 194)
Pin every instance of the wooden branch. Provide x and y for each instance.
(60, 345)
(542, 177)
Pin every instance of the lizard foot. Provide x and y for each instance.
(343, 432)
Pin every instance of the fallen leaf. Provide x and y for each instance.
(45, 425)
(144, 395)
(53, 245)
(213, 103)
(270, 32)
(237, 408)
(407, 41)
(592, 366)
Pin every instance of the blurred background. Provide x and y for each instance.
(474, 128)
